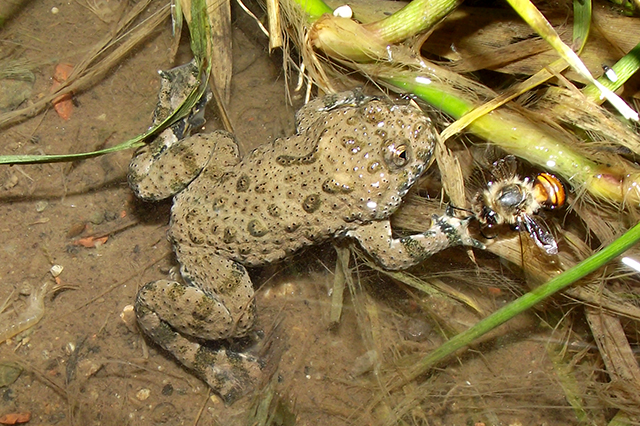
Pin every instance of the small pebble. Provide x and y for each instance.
(76, 229)
(343, 11)
(55, 10)
(88, 367)
(11, 181)
(25, 289)
(364, 363)
(41, 205)
(167, 390)
(56, 270)
(97, 217)
(8, 395)
(128, 317)
(143, 394)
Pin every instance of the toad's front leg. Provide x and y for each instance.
(401, 253)
(181, 317)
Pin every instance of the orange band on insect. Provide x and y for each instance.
(549, 191)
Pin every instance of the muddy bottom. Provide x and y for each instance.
(86, 365)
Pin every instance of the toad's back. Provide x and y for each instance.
(346, 167)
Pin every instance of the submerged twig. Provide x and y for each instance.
(27, 318)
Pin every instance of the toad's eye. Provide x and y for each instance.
(401, 156)
(397, 155)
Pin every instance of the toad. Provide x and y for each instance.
(342, 175)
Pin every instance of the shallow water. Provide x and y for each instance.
(86, 366)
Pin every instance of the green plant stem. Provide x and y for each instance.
(417, 16)
(313, 9)
(521, 137)
(505, 128)
(627, 66)
(527, 301)
(372, 42)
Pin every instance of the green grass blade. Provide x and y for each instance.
(131, 143)
(539, 23)
(627, 66)
(581, 22)
(200, 33)
(57, 158)
(527, 301)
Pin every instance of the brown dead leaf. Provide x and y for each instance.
(15, 418)
(63, 104)
(91, 242)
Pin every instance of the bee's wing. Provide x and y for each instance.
(540, 233)
(504, 168)
(538, 264)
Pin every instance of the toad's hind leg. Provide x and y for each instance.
(180, 317)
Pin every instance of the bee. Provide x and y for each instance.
(512, 200)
